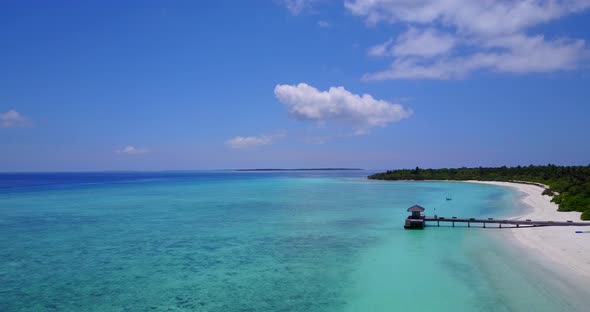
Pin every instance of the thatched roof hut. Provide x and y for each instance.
(416, 208)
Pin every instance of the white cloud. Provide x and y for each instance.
(518, 54)
(13, 118)
(297, 6)
(131, 150)
(324, 24)
(482, 16)
(414, 42)
(305, 102)
(240, 142)
(493, 32)
(535, 54)
(383, 49)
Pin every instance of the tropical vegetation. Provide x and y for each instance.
(568, 185)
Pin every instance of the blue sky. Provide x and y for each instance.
(155, 85)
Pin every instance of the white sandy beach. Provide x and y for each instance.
(559, 246)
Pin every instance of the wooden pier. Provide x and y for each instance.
(516, 223)
(419, 221)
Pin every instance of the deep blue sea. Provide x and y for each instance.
(259, 241)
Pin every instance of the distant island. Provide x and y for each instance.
(298, 169)
(569, 185)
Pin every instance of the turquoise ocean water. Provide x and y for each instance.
(260, 241)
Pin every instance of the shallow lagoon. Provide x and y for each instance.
(257, 241)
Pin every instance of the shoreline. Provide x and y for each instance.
(555, 247)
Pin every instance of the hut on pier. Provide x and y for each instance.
(416, 219)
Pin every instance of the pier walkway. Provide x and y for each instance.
(418, 221)
(488, 221)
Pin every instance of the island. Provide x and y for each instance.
(569, 186)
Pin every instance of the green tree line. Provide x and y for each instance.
(569, 185)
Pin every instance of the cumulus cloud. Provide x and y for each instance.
(131, 150)
(13, 118)
(362, 112)
(246, 142)
(493, 32)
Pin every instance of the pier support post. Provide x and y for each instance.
(517, 225)
(453, 223)
(500, 225)
(437, 223)
(484, 225)
(468, 224)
